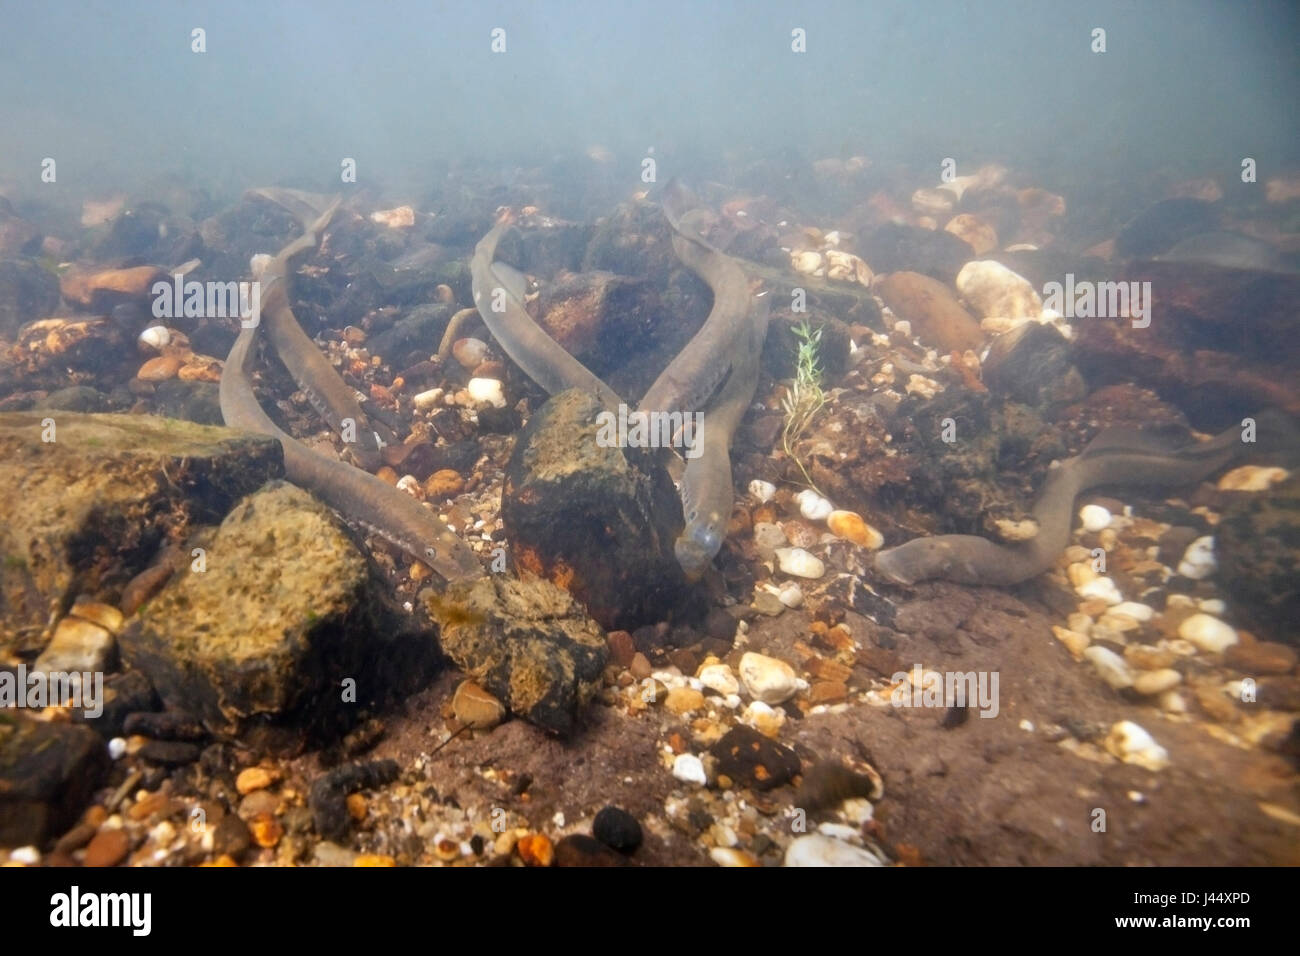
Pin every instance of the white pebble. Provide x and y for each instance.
(1153, 683)
(1101, 588)
(1208, 633)
(800, 563)
(1112, 668)
(690, 769)
(763, 718)
(815, 849)
(117, 748)
(719, 678)
(1139, 612)
(410, 484)
(1094, 517)
(791, 595)
(762, 490)
(487, 391)
(813, 506)
(767, 679)
(1198, 560)
(27, 855)
(1132, 744)
(155, 337)
(428, 399)
(1212, 606)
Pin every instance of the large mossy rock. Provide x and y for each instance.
(261, 644)
(597, 521)
(88, 499)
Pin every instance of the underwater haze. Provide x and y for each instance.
(284, 90)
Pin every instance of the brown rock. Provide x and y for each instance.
(932, 309)
(621, 647)
(683, 700)
(535, 849)
(1262, 657)
(108, 848)
(828, 691)
(475, 707)
(444, 483)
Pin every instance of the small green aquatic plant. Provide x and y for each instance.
(804, 398)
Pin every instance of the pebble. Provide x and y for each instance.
(994, 291)
(1132, 744)
(77, 645)
(683, 700)
(470, 352)
(487, 391)
(752, 759)
(253, 778)
(800, 563)
(807, 262)
(1110, 666)
(719, 678)
(107, 848)
(1138, 612)
(1145, 657)
(978, 234)
(26, 855)
(640, 666)
(1261, 657)
(689, 769)
(117, 748)
(1153, 683)
(813, 506)
(1198, 560)
(430, 398)
(850, 526)
(1207, 633)
(1094, 517)
(444, 483)
(767, 679)
(1252, 478)
(762, 490)
(535, 849)
(617, 828)
(160, 369)
(791, 595)
(1103, 589)
(768, 537)
(729, 856)
(816, 849)
(1074, 642)
(763, 718)
(475, 707)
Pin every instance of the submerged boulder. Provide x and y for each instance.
(48, 772)
(598, 521)
(527, 642)
(265, 638)
(90, 498)
(1257, 544)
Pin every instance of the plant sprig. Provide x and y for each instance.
(804, 398)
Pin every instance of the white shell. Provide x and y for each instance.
(762, 490)
(156, 336)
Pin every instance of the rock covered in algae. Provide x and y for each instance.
(597, 521)
(1258, 549)
(89, 499)
(263, 639)
(525, 641)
